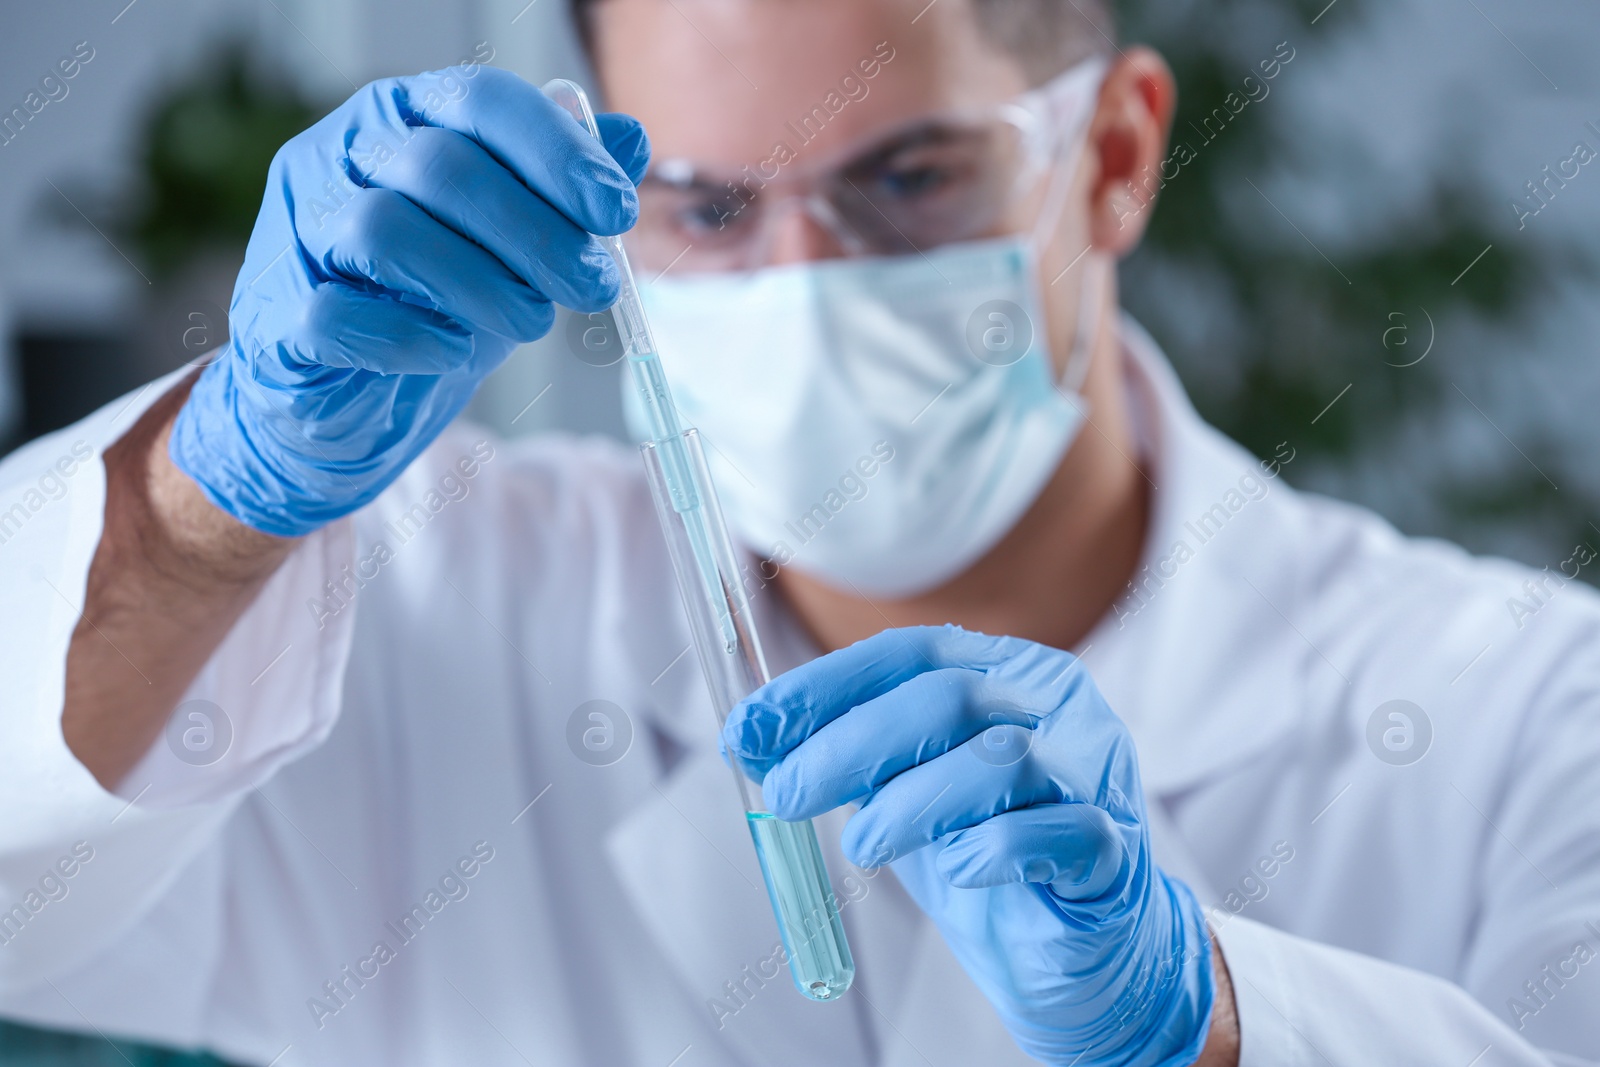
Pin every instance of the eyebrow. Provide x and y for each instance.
(936, 131)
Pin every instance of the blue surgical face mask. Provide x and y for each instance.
(878, 423)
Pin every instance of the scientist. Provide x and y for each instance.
(338, 732)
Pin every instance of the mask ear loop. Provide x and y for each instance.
(1085, 331)
(1090, 292)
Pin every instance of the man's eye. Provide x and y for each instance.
(713, 214)
(910, 182)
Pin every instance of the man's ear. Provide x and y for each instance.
(1127, 138)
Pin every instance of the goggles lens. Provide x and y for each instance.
(939, 182)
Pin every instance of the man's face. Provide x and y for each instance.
(721, 83)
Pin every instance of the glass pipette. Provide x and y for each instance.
(714, 595)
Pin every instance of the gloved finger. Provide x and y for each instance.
(862, 749)
(770, 722)
(381, 237)
(531, 136)
(453, 179)
(625, 139)
(344, 327)
(955, 791)
(1077, 849)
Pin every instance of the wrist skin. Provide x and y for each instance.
(1222, 1040)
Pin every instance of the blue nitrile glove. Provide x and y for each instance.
(406, 244)
(1002, 755)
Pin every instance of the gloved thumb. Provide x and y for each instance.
(1077, 849)
(625, 139)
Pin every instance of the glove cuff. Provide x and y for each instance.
(210, 443)
(289, 456)
(1170, 999)
(1156, 1009)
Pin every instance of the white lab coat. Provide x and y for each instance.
(1369, 913)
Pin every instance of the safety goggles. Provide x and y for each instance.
(950, 176)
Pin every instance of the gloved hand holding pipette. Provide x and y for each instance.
(1007, 792)
(407, 243)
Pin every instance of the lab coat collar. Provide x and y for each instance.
(1198, 656)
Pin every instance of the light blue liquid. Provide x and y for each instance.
(804, 902)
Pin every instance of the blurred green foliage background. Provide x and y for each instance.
(1266, 330)
(204, 158)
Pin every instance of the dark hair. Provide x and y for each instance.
(1045, 36)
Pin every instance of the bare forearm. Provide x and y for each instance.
(171, 575)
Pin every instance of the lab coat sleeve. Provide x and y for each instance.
(79, 865)
(1304, 1004)
(1527, 989)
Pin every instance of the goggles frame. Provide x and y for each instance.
(1041, 118)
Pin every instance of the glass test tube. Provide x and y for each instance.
(791, 861)
(724, 631)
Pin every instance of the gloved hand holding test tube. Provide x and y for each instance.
(724, 630)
